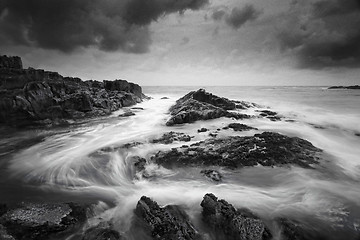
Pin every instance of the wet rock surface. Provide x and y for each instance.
(166, 223)
(267, 149)
(293, 230)
(229, 223)
(213, 175)
(201, 105)
(43, 221)
(102, 232)
(239, 127)
(34, 96)
(273, 116)
(127, 114)
(170, 137)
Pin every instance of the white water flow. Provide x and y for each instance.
(87, 161)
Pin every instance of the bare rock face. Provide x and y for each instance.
(170, 137)
(43, 221)
(34, 96)
(201, 105)
(232, 224)
(165, 223)
(267, 149)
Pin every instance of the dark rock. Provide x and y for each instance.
(230, 223)
(164, 98)
(294, 230)
(212, 174)
(273, 116)
(202, 130)
(240, 127)
(42, 221)
(31, 96)
(165, 223)
(101, 232)
(10, 62)
(4, 235)
(212, 134)
(201, 105)
(345, 87)
(139, 163)
(137, 108)
(126, 114)
(170, 137)
(267, 149)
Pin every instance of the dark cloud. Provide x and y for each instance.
(66, 25)
(237, 17)
(327, 35)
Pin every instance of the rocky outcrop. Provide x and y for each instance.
(10, 62)
(267, 149)
(170, 137)
(34, 96)
(273, 116)
(43, 221)
(201, 105)
(345, 87)
(101, 232)
(229, 223)
(164, 223)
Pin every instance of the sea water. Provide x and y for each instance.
(86, 163)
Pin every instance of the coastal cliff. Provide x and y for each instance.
(35, 96)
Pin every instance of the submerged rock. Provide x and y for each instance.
(43, 221)
(201, 105)
(240, 127)
(273, 116)
(229, 223)
(212, 174)
(170, 137)
(126, 114)
(267, 149)
(101, 232)
(202, 130)
(165, 223)
(38, 97)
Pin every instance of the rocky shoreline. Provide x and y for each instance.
(37, 97)
(345, 87)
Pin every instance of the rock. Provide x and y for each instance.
(170, 137)
(164, 223)
(4, 234)
(137, 108)
(126, 114)
(202, 130)
(230, 223)
(345, 87)
(267, 149)
(139, 163)
(240, 127)
(294, 230)
(10, 62)
(31, 96)
(201, 105)
(43, 220)
(164, 98)
(102, 232)
(212, 174)
(269, 114)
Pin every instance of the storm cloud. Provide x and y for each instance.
(326, 35)
(67, 25)
(237, 17)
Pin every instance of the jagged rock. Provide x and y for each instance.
(164, 223)
(30, 96)
(240, 127)
(212, 174)
(273, 116)
(102, 232)
(202, 130)
(170, 137)
(42, 221)
(201, 105)
(230, 223)
(267, 149)
(139, 163)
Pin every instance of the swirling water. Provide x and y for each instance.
(87, 163)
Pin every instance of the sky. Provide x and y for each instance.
(188, 42)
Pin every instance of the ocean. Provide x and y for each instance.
(69, 163)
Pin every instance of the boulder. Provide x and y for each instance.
(43, 220)
(170, 137)
(239, 127)
(267, 149)
(201, 105)
(202, 130)
(229, 223)
(164, 223)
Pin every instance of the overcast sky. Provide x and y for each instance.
(188, 42)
